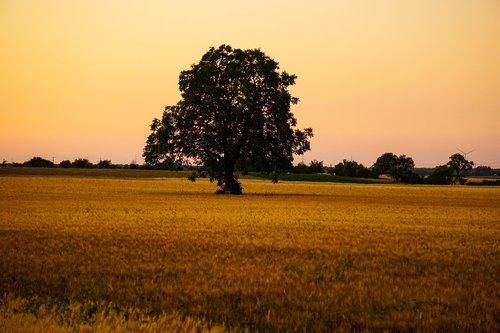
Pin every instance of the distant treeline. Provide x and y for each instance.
(354, 169)
(81, 163)
(398, 168)
(402, 169)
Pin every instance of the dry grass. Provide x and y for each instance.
(113, 254)
(23, 316)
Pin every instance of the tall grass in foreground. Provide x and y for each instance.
(36, 315)
(85, 254)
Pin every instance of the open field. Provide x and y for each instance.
(93, 173)
(165, 254)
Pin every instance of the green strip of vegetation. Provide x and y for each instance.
(139, 173)
(302, 177)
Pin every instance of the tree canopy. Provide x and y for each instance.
(351, 169)
(384, 163)
(400, 168)
(39, 162)
(460, 165)
(235, 109)
(442, 174)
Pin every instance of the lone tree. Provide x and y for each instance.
(400, 168)
(384, 163)
(235, 109)
(459, 164)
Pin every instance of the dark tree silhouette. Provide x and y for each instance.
(235, 107)
(301, 167)
(351, 169)
(317, 166)
(104, 164)
(384, 163)
(442, 174)
(460, 165)
(39, 163)
(65, 164)
(402, 169)
(483, 170)
(81, 163)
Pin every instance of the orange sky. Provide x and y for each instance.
(418, 77)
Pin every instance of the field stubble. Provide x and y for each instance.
(166, 254)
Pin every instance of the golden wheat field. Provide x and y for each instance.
(83, 254)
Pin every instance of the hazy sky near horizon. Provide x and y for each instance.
(416, 77)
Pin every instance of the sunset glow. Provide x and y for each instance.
(420, 78)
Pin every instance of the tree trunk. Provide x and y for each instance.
(231, 185)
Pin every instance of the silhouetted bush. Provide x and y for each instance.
(384, 163)
(441, 175)
(301, 168)
(351, 169)
(65, 164)
(39, 162)
(414, 178)
(133, 166)
(104, 164)
(316, 167)
(81, 163)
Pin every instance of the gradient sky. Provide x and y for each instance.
(416, 77)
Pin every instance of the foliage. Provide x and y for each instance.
(38, 162)
(291, 257)
(316, 167)
(460, 165)
(235, 107)
(482, 171)
(65, 164)
(400, 168)
(320, 178)
(81, 163)
(133, 165)
(168, 164)
(301, 168)
(442, 174)
(351, 169)
(384, 163)
(104, 164)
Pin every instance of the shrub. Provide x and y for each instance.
(39, 162)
